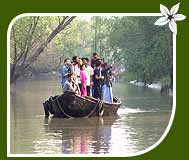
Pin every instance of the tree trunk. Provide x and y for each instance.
(17, 71)
(171, 78)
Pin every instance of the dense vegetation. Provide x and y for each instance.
(132, 44)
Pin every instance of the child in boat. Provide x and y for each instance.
(83, 78)
(89, 73)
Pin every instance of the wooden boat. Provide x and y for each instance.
(70, 105)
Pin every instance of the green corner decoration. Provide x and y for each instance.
(170, 17)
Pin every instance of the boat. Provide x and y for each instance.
(69, 105)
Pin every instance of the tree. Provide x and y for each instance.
(101, 27)
(76, 40)
(27, 43)
(145, 48)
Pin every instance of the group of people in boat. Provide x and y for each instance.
(88, 77)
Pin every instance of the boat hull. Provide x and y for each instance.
(70, 105)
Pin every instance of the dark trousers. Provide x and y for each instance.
(79, 84)
(88, 90)
(98, 92)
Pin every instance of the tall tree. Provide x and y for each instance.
(26, 47)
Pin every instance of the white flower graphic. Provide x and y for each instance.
(170, 17)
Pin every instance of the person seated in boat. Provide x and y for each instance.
(70, 85)
(98, 77)
(107, 94)
(66, 69)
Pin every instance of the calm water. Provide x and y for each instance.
(143, 117)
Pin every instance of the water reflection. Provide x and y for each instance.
(107, 135)
(77, 136)
(137, 131)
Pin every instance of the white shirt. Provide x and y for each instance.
(76, 71)
(89, 72)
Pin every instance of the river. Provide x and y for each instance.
(141, 121)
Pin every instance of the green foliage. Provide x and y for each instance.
(145, 48)
(24, 37)
(127, 77)
(101, 27)
(76, 40)
(30, 36)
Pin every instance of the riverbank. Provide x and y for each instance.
(55, 75)
(153, 85)
(156, 86)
